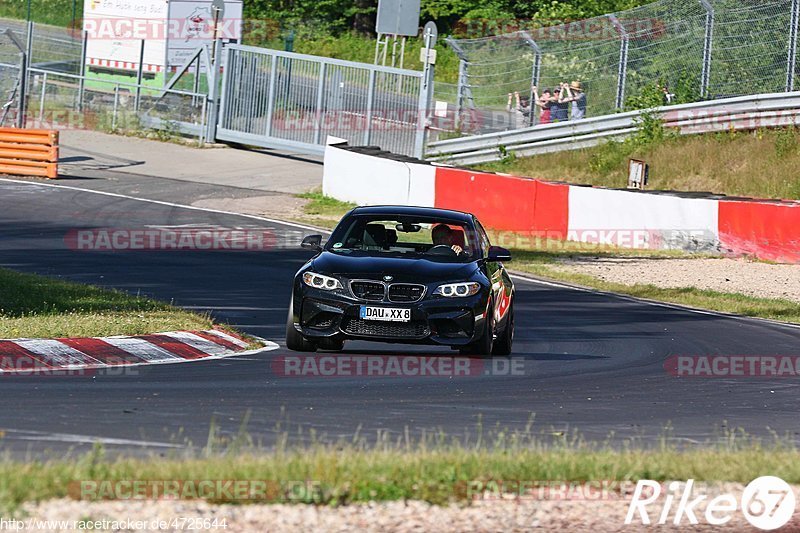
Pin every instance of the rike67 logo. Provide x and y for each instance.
(767, 503)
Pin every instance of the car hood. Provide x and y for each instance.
(417, 270)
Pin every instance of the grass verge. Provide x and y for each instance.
(436, 468)
(760, 164)
(543, 265)
(35, 306)
(323, 211)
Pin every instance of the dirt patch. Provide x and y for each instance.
(511, 515)
(740, 276)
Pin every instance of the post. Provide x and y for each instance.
(318, 107)
(24, 63)
(41, 99)
(462, 82)
(535, 74)
(82, 73)
(271, 96)
(791, 60)
(223, 97)
(370, 104)
(622, 73)
(463, 79)
(116, 108)
(213, 93)
(705, 77)
(139, 75)
(425, 91)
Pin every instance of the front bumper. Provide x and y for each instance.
(320, 314)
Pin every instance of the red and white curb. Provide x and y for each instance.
(31, 355)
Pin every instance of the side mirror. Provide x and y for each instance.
(496, 253)
(312, 242)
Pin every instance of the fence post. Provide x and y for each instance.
(425, 91)
(273, 73)
(791, 60)
(463, 80)
(535, 75)
(82, 73)
(705, 78)
(318, 106)
(24, 64)
(139, 75)
(42, 99)
(370, 105)
(213, 92)
(622, 73)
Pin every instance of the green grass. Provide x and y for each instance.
(41, 307)
(760, 164)
(323, 211)
(436, 468)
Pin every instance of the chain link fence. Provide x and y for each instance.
(696, 49)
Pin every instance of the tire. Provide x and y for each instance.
(294, 340)
(505, 341)
(483, 346)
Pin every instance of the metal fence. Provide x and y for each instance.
(253, 96)
(698, 49)
(722, 115)
(282, 99)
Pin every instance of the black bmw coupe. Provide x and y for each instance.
(405, 275)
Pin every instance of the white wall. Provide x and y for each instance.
(369, 180)
(642, 220)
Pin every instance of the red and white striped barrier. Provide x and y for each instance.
(36, 355)
(764, 229)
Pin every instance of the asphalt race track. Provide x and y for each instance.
(593, 362)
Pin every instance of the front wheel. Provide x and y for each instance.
(294, 340)
(483, 346)
(504, 342)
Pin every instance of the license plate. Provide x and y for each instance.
(387, 314)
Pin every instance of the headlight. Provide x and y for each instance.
(458, 290)
(318, 281)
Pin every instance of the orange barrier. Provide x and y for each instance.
(29, 152)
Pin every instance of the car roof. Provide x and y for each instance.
(412, 211)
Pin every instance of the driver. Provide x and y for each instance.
(443, 235)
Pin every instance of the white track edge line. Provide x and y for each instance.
(648, 301)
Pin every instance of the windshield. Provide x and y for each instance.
(436, 239)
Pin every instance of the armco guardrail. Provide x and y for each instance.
(29, 152)
(740, 113)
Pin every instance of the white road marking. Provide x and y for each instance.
(651, 302)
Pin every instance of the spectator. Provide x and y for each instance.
(519, 112)
(560, 110)
(668, 96)
(544, 103)
(577, 98)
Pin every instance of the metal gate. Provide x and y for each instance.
(12, 64)
(293, 101)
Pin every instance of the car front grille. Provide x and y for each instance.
(416, 329)
(405, 292)
(368, 290)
